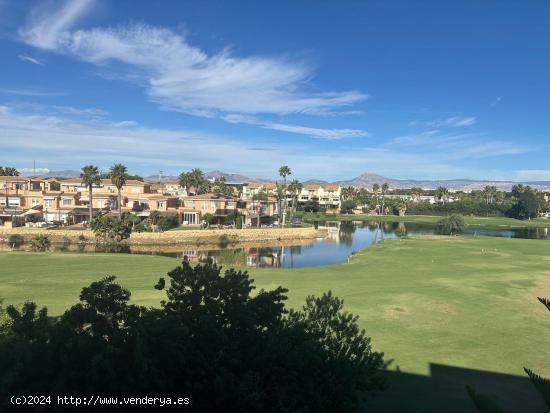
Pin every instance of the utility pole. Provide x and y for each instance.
(160, 182)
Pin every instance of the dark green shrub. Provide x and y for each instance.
(451, 225)
(15, 240)
(40, 243)
(110, 228)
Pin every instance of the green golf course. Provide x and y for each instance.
(449, 311)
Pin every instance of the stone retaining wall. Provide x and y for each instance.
(174, 237)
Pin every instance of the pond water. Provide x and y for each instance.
(343, 239)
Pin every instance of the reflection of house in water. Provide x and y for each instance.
(265, 257)
(333, 230)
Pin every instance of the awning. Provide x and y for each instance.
(31, 212)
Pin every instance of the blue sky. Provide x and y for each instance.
(406, 89)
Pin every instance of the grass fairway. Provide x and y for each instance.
(448, 311)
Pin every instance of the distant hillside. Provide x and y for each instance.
(367, 179)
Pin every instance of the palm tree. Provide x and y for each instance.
(90, 176)
(119, 175)
(295, 187)
(442, 194)
(348, 193)
(385, 188)
(284, 171)
(415, 193)
(375, 189)
(195, 179)
(489, 193)
(8, 171)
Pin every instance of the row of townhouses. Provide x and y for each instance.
(24, 199)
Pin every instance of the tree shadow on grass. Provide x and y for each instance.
(444, 390)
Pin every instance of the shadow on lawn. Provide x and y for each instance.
(444, 390)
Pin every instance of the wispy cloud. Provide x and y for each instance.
(27, 92)
(88, 112)
(26, 171)
(454, 121)
(317, 132)
(181, 77)
(68, 143)
(322, 133)
(26, 58)
(458, 146)
(495, 101)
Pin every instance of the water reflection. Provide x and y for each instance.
(342, 240)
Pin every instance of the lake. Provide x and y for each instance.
(343, 239)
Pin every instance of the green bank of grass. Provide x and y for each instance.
(487, 222)
(427, 302)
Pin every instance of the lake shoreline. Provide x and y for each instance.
(190, 237)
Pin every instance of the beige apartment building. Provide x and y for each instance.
(328, 196)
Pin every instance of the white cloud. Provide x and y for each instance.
(26, 92)
(298, 129)
(48, 30)
(461, 146)
(454, 121)
(90, 112)
(181, 77)
(65, 143)
(26, 58)
(533, 175)
(317, 132)
(26, 171)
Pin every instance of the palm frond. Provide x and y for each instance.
(483, 403)
(541, 384)
(545, 302)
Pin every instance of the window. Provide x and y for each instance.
(48, 203)
(35, 201)
(67, 201)
(160, 204)
(203, 204)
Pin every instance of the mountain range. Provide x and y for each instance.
(365, 180)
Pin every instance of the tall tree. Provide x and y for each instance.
(119, 176)
(442, 194)
(295, 187)
(196, 179)
(220, 186)
(8, 171)
(90, 176)
(284, 171)
(375, 190)
(348, 193)
(416, 192)
(384, 190)
(489, 193)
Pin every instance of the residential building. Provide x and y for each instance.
(218, 205)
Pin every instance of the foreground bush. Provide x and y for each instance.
(451, 225)
(110, 228)
(40, 243)
(211, 340)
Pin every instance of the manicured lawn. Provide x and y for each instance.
(488, 222)
(448, 311)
